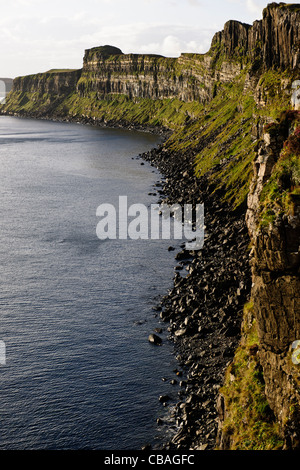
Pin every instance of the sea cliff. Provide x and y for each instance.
(234, 122)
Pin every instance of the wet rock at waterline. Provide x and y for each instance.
(155, 339)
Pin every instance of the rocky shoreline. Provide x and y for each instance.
(203, 311)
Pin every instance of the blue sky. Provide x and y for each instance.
(36, 36)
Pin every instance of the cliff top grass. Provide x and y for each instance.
(48, 73)
(192, 55)
(112, 52)
(61, 70)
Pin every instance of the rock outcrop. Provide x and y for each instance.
(272, 41)
(275, 259)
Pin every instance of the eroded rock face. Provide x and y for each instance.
(275, 293)
(281, 43)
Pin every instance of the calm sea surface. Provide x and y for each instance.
(76, 312)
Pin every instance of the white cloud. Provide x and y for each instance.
(37, 35)
(169, 40)
(253, 7)
(194, 3)
(171, 46)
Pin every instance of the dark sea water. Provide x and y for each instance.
(76, 312)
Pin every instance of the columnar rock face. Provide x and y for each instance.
(273, 41)
(280, 44)
(234, 39)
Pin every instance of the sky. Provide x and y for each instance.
(39, 35)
